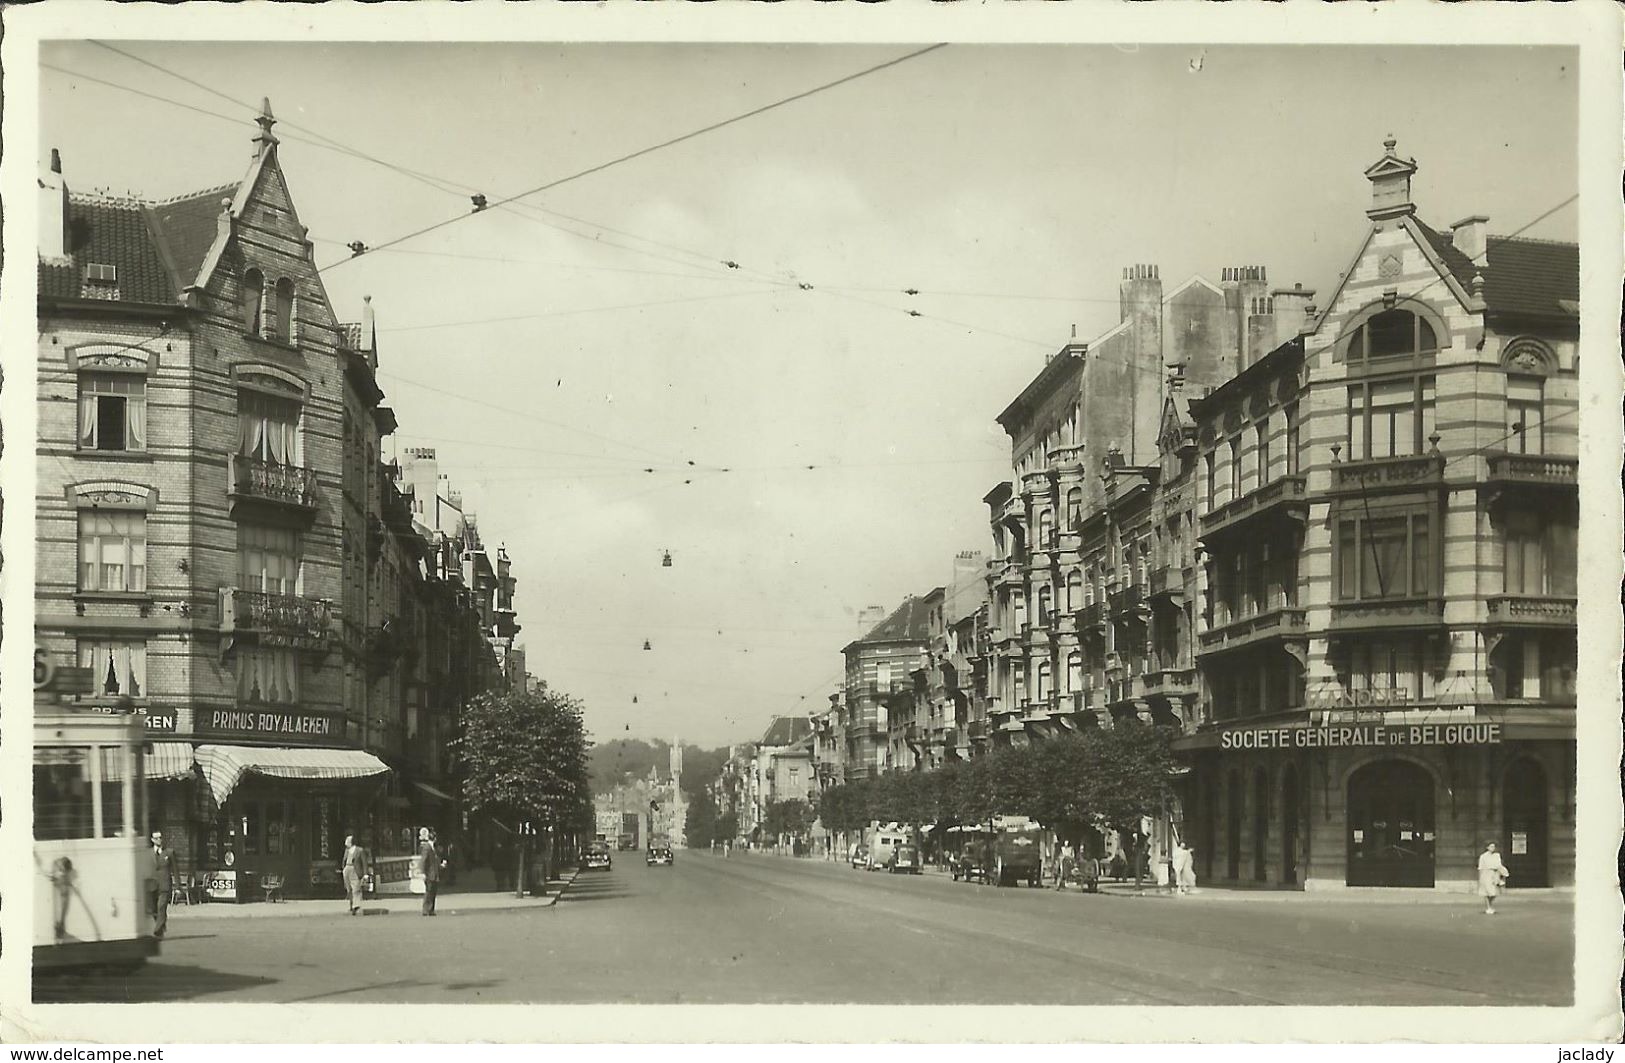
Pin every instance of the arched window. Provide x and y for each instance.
(253, 299)
(1388, 333)
(1074, 507)
(1044, 605)
(1074, 670)
(279, 321)
(1046, 525)
(1044, 681)
(1074, 591)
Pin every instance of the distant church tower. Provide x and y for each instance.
(676, 760)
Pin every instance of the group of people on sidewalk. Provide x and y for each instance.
(428, 865)
(1176, 874)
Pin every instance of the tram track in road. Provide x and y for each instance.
(1428, 982)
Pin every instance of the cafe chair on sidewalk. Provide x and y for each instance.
(272, 887)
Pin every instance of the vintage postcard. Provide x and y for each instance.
(933, 523)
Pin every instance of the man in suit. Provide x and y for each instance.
(165, 873)
(432, 865)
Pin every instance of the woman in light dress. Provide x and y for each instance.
(1492, 876)
(1184, 868)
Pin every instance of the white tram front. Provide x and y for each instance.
(95, 886)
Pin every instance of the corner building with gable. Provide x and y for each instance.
(1387, 517)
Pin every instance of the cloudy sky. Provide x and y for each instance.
(555, 351)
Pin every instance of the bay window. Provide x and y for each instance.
(112, 411)
(1536, 667)
(1385, 556)
(112, 550)
(1390, 418)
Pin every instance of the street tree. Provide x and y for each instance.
(525, 763)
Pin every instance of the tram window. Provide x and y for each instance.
(114, 780)
(62, 793)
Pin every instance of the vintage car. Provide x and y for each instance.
(860, 856)
(974, 862)
(597, 855)
(905, 858)
(657, 856)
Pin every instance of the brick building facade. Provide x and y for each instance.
(219, 541)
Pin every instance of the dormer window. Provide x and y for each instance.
(100, 273)
(1389, 333)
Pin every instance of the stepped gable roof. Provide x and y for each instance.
(108, 232)
(187, 226)
(1532, 278)
(786, 731)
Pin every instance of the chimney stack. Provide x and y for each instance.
(53, 214)
(1294, 312)
(1469, 236)
(1390, 178)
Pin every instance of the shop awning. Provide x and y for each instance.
(224, 766)
(170, 760)
(434, 792)
(163, 760)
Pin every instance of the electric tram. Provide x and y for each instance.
(95, 888)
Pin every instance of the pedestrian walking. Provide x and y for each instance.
(355, 873)
(165, 875)
(1492, 876)
(1068, 858)
(429, 858)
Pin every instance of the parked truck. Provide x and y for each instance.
(629, 832)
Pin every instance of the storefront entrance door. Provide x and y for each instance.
(1233, 823)
(1390, 825)
(1523, 802)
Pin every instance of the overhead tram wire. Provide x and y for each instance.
(641, 152)
(450, 187)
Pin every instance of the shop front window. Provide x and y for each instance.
(251, 828)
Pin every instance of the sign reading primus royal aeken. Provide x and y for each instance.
(1464, 734)
(288, 725)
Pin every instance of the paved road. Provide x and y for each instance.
(761, 929)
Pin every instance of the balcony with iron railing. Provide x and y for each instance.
(1523, 610)
(1285, 496)
(1411, 472)
(1092, 617)
(290, 488)
(1273, 624)
(276, 619)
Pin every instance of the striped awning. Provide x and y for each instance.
(163, 760)
(170, 760)
(224, 766)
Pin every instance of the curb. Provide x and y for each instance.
(447, 905)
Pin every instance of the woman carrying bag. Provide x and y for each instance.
(1492, 876)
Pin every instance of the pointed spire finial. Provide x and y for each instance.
(266, 120)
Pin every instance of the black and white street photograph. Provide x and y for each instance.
(907, 522)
